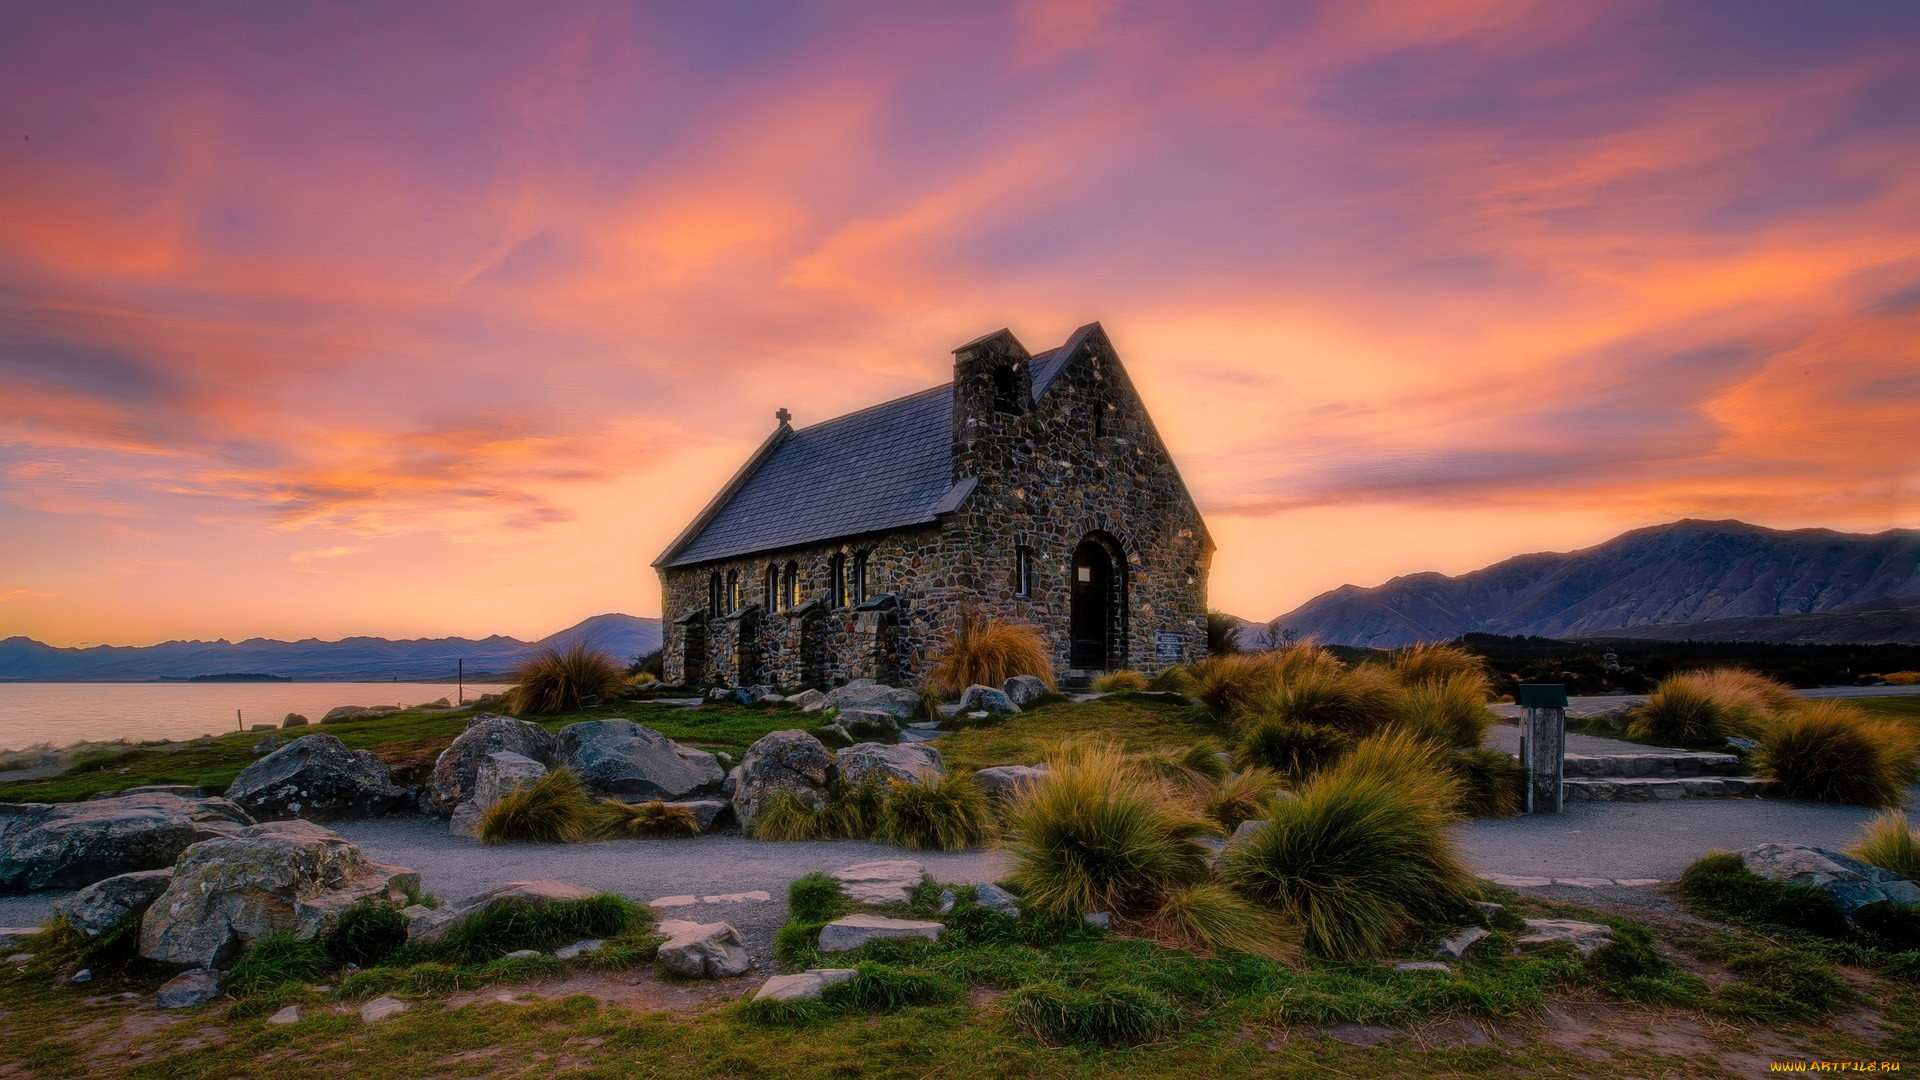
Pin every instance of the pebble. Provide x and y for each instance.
(84, 975)
(380, 1008)
(288, 1015)
(521, 954)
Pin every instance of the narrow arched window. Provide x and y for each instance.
(859, 588)
(837, 580)
(769, 593)
(733, 591)
(790, 586)
(1023, 570)
(713, 594)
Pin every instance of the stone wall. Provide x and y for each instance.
(1049, 475)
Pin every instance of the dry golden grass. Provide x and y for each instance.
(1119, 682)
(1888, 842)
(1229, 685)
(1358, 701)
(988, 653)
(1704, 707)
(1419, 665)
(1829, 751)
(560, 680)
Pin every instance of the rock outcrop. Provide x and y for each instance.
(498, 774)
(70, 845)
(907, 761)
(1024, 690)
(867, 694)
(781, 761)
(426, 924)
(1851, 883)
(281, 876)
(457, 765)
(623, 758)
(104, 904)
(703, 950)
(315, 777)
(1003, 783)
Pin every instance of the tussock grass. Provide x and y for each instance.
(1829, 751)
(652, 818)
(1358, 701)
(816, 897)
(1889, 843)
(277, 960)
(365, 933)
(1421, 665)
(1176, 679)
(1232, 683)
(1117, 1015)
(514, 925)
(1449, 710)
(1291, 750)
(1702, 708)
(1243, 796)
(785, 816)
(1118, 682)
(989, 652)
(854, 811)
(1209, 915)
(942, 813)
(1192, 769)
(1719, 885)
(557, 680)
(1361, 855)
(554, 809)
(1492, 783)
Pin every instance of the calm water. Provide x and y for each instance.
(62, 713)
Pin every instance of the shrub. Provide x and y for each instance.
(1492, 783)
(988, 653)
(1223, 634)
(1294, 751)
(785, 816)
(513, 925)
(1240, 797)
(652, 818)
(816, 897)
(1230, 685)
(1721, 886)
(1356, 859)
(553, 809)
(1359, 701)
(1419, 665)
(1119, 682)
(1830, 751)
(1702, 708)
(1888, 843)
(944, 813)
(1903, 678)
(276, 960)
(1209, 915)
(1451, 711)
(365, 933)
(1115, 1015)
(1093, 835)
(558, 680)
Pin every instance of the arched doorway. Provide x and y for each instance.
(1096, 597)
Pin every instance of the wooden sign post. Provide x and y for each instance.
(1543, 744)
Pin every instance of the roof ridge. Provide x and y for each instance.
(818, 424)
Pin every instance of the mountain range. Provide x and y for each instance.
(1704, 580)
(349, 659)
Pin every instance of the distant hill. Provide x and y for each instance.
(1669, 581)
(356, 658)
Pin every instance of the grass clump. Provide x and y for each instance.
(1358, 701)
(1291, 750)
(1232, 684)
(1829, 751)
(1360, 856)
(942, 813)
(1174, 679)
(1720, 885)
(1780, 984)
(1424, 665)
(988, 653)
(1492, 783)
(277, 960)
(1451, 711)
(554, 809)
(1889, 843)
(557, 680)
(1702, 708)
(512, 925)
(365, 933)
(651, 818)
(1243, 796)
(787, 816)
(1119, 682)
(1115, 1015)
(816, 897)
(1632, 968)
(879, 988)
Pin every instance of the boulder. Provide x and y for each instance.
(1003, 783)
(281, 876)
(979, 698)
(997, 900)
(887, 881)
(1024, 690)
(808, 985)
(294, 719)
(1851, 883)
(706, 812)
(732, 781)
(852, 931)
(497, 775)
(188, 989)
(268, 745)
(70, 845)
(809, 700)
(747, 695)
(102, 905)
(430, 924)
(868, 725)
(905, 762)
(781, 761)
(358, 712)
(1584, 936)
(457, 765)
(623, 758)
(702, 950)
(867, 694)
(315, 777)
(263, 727)
(719, 693)
(1245, 830)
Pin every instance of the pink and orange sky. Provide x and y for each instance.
(444, 318)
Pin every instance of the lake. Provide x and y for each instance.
(62, 713)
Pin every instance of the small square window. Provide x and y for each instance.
(1086, 573)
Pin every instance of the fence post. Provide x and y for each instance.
(1543, 745)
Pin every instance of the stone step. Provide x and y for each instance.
(1653, 789)
(1654, 764)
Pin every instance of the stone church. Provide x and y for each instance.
(1031, 489)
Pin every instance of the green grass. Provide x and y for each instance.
(1136, 725)
(942, 813)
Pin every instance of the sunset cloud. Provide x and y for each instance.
(485, 315)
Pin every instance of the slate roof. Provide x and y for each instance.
(885, 467)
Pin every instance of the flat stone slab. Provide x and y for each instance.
(1359, 1034)
(188, 989)
(1584, 936)
(1626, 789)
(853, 931)
(703, 950)
(1457, 945)
(381, 1008)
(1512, 881)
(1423, 965)
(288, 1015)
(14, 935)
(1652, 764)
(756, 896)
(673, 901)
(887, 881)
(806, 986)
